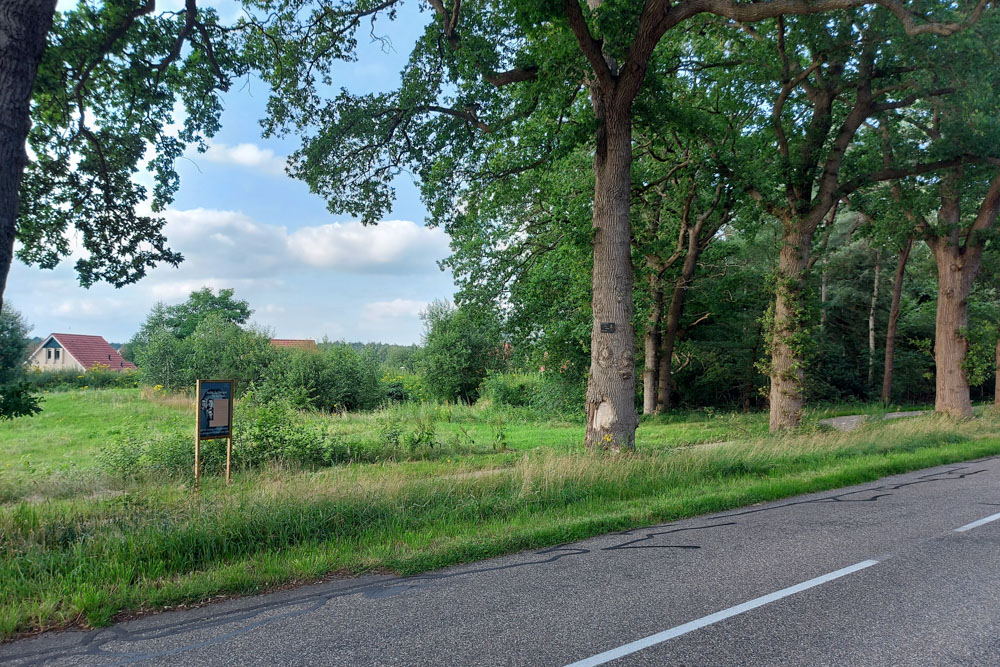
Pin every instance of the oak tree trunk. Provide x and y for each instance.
(610, 405)
(996, 379)
(786, 354)
(652, 347)
(24, 25)
(871, 322)
(957, 269)
(889, 367)
(673, 322)
(996, 390)
(822, 298)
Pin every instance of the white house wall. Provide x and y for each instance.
(65, 361)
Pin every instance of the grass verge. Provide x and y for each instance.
(152, 544)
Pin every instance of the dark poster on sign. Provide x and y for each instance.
(215, 409)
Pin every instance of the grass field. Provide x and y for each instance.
(74, 426)
(80, 545)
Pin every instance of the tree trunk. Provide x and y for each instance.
(673, 323)
(996, 381)
(652, 347)
(889, 368)
(786, 354)
(822, 298)
(610, 406)
(23, 29)
(957, 269)
(871, 322)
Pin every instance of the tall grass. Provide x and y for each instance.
(123, 546)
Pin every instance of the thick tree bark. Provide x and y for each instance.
(24, 25)
(871, 321)
(958, 254)
(652, 347)
(889, 367)
(786, 354)
(610, 405)
(957, 269)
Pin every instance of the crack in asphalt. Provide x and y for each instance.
(94, 643)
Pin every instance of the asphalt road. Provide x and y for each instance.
(877, 574)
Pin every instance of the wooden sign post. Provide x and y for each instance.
(214, 406)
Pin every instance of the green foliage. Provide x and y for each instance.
(217, 349)
(181, 321)
(100, 376)
(14, 344)
(336, 378)
(514, 389)
(105, 94)
(460, 347)
(402, 386)
(16, 398)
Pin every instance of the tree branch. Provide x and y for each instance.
(592, 48)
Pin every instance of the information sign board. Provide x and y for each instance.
(214, 405)
(215, 413)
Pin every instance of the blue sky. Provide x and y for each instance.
(306, 272)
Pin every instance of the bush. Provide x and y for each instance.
(514, 389)
(335, 378)
(99, 377)
(460, 348)
(403, 387)
(274, 432)
(217, 349)
(138, 450)
(560, 394)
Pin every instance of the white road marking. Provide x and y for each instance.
(977, 524)
(697, 624)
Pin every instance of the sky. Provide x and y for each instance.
(241, 222)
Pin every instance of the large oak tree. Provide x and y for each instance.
(477, 83)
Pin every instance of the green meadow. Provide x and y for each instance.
(82, 542)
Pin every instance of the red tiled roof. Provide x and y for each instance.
(91, 351)
(301, 343)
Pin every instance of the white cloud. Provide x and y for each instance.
(230, 244)
(383, 312)
(88, 308)
(344, 280)
(392, 246)
(244, 155)
(178, 290)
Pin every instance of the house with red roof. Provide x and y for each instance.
(76, 352)
(298, 343)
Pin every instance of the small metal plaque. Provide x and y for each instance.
(607, 327)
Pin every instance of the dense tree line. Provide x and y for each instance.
(699, 172)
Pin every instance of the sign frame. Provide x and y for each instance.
(198, 431)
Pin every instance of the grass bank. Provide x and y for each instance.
(115, 546)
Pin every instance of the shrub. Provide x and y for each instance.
(460, 348)
(99, 377)
(217, 349)
(274, 432)
(560, 394)
(514, 389)
(336, 378)
(137, 450)
(403, 387)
